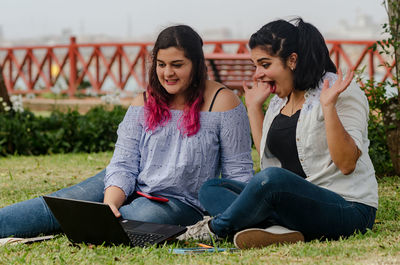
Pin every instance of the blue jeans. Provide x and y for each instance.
(33, 217)
(278, 196)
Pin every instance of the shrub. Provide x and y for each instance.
(378, 149)
(23, 133)
(377, 130)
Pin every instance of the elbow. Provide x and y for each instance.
(347, 169)
(347, 165)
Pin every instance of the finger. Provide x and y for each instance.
(346, 82)
(115, 211)
(349, 77)
(340, 75)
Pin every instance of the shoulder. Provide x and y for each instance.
(134, 112)
(224, 101)
(138, 100)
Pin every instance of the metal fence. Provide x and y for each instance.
(98, 68)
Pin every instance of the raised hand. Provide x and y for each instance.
(255, 98)
(256, 95)
(329, 95)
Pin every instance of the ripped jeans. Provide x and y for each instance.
(278, 196)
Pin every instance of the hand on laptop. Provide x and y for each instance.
(114, 209)
(114, 197)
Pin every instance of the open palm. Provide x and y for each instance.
(329, 95)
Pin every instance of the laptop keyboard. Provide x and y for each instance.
(140, 240)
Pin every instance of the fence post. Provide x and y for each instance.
(3, 91)
(72, 67)
(371, 64)
(144, 68)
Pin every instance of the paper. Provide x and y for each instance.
(199, 250)
(18, 240)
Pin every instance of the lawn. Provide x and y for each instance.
(26, 177)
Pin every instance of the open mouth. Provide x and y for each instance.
(272, 86)
(171, 81)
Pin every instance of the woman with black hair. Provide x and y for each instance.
(182, 131)
(317, 180)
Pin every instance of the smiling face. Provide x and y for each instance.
(272, 72)
(174, 70)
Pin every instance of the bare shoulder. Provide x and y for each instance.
(225, 100)
(138, 100)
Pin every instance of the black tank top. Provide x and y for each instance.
(281, 141)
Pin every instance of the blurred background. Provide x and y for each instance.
(86, 48)
(49, 22)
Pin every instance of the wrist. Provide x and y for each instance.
(255, 107)
(114, 195)
(328, 108)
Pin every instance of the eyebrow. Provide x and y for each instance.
(263, 58)
(176, 61)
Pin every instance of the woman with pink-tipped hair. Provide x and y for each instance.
(183, 131)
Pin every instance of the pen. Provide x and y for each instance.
(204, 245)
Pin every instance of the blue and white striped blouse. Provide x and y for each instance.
(166, 163)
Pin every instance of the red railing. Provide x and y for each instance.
(80, 68)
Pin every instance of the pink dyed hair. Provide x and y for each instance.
(157, 108)
(158, 114)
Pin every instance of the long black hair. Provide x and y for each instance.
(282, 38)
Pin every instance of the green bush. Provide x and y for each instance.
(378, 149)
(26, 134)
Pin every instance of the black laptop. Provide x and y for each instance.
(95, 223)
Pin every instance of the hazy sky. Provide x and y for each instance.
(33, 18)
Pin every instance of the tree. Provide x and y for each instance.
(393, 11)
(391, 107)
(384, 123)
(3, 93)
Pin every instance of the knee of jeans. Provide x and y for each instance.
(205, 190)
(101, 174)
(90, 189)
(209, 184)
(272, 176)
(143, 215)
(212, 182)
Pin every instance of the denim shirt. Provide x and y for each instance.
(352, 108)
(167, 163)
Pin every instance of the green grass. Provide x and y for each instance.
(26, 177)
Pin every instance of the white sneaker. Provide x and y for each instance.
(199, 231)
(258, 237)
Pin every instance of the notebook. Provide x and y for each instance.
(95, 223)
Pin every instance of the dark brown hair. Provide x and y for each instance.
(157, 107)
